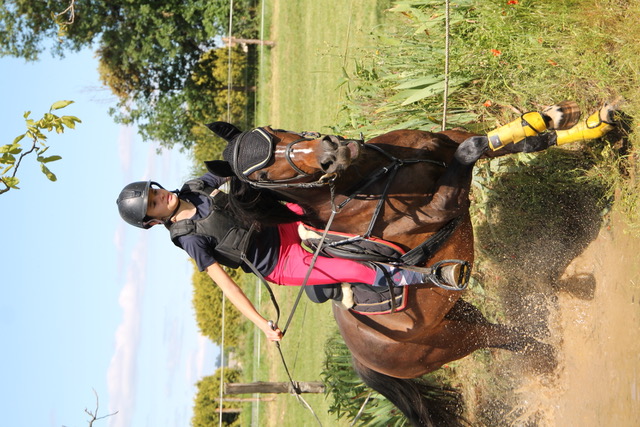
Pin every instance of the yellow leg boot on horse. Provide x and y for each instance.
(560, 116)
(595, 126)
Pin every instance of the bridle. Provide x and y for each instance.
(321, 181)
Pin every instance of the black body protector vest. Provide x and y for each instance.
(232, 238)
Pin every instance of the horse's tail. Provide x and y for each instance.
(423, 403)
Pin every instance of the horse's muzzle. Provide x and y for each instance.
(337, 153)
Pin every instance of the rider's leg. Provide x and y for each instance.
(294, 261)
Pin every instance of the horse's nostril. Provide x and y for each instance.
(326, 165)
(328, 143)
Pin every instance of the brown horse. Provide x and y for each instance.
(424, 180)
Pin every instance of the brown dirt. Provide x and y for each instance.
(594, 322)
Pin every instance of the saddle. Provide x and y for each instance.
(359, 297)
(348, 246)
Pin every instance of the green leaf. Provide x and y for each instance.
(48, 159)
(60, 104)
(431, 90)
(50, 175)
(7, 159)
(7, 169)
(7, 149)
(420, 82)
(70, 121)
(12, 182)
(18, 138)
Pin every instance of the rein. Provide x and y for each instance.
(391, 169)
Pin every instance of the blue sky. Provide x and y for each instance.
(88, 302)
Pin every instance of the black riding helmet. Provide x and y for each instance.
(132, 203)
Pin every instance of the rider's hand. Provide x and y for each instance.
(272, 332)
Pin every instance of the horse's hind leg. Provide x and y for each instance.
(458, 338)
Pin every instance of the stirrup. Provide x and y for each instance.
(595, 126)
(451, 274)
(559, 116)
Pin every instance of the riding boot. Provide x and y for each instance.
(595, 126)
(560, 116)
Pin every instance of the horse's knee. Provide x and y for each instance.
(471, 149)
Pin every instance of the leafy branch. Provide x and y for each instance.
(11, 155)
(58, 18)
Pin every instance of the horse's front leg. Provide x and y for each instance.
(451, 198)
(508, 139)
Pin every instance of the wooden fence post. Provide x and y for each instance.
(273, 387)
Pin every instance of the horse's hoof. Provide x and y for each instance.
(564, 115)
(608, 110)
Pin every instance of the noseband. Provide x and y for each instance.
(323, 180)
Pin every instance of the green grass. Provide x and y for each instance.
(315, 42)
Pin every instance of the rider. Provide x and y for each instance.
(274, 251)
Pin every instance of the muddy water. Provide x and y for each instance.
(598, 380)
(594, 323)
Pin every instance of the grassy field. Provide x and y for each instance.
(514, 57)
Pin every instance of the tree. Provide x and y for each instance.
(147, 50)
(206, 411)
(13, 154)
(207, 301)
(178, 116)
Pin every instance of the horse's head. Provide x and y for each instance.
(264, 156)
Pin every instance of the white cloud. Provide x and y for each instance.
(122, 372)
(125, 149)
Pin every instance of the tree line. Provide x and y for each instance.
(163, 60)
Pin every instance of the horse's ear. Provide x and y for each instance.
(219, 168)
(224, 130)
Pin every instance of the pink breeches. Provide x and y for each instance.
(293, 264)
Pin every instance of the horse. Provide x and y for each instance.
(412, 183)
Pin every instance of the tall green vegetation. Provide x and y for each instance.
(505, 58)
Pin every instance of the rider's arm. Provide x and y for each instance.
(237, 297)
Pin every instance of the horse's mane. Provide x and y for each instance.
(262, 207)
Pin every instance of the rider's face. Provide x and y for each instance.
(161, 203)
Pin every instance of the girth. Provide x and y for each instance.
(359, 248)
